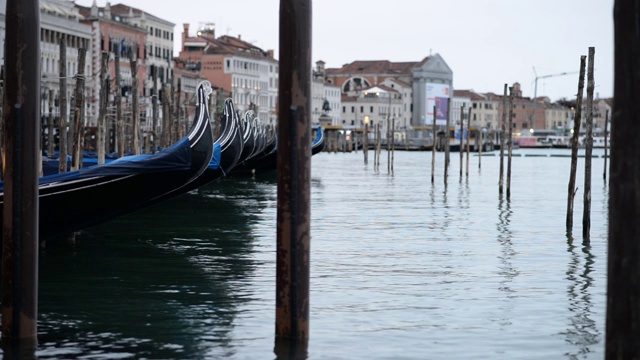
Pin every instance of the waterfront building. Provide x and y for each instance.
(246, 72)
(58, 20)
(113, 34)
(158, 45)
(407, 92)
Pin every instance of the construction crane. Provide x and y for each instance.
(535, 90)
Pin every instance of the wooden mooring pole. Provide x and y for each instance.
(623, 265)
(102, 109)
(20, 216)
(502, 135)
(294, 177)
(574, 146)
(461, 137)
(606, 145)
(586, 210)
(78, 120)
(510, 142)
(63, 140)
(433, 148)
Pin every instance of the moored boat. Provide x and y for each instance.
(82, 198)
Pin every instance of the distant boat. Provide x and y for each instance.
(78, 199)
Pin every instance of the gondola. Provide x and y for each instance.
(269, 161)
(79, 199)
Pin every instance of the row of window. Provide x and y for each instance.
(159, 33)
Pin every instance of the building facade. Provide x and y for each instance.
(246, 72)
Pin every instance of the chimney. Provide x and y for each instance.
(270, 53)
(239, 37)
(107, 11)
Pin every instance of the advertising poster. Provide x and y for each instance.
(438, 95)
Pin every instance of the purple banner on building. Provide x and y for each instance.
(438, 95)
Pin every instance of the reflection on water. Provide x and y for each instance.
(112, 279)
(400, 268)
(506, 254)
(582, 332)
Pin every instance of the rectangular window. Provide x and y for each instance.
(344, 109)
(353, 109)
(371, 109)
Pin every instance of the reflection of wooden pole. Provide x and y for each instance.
(20, 216)
(606, 123)
(294, 173)
(574, 146)
(586, 210)
(623, 279)
(433, 148)
(502, 135)
(63, 141)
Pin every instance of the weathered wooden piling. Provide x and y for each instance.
(20, 214)
(606, 144)
(102, 109)
(393, 141)
(294, 172)
(623, 275)
(447, 147)
(586, 210)
(365, 140)
(502, 135)
(468, 140)
(63, 140)
(433, 148)
(510, 142)
(166, 117)
(461, 137)
(51, 138)
(76, 156)
(135, 112)
(153, 144)
(118, 100)
(574, 146)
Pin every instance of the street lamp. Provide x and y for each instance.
(365, 140)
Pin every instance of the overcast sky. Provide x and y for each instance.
(487, 43)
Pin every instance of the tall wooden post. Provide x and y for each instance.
(20, 216)
(294, 172)
(365, 141)
(76, 160)
(502, 135)
(510, 139)
(135, 111)
(606, 145)
(623, 269)
(574, 146)
(468, 140)
(461, 137)
(63, 141)
(119, 119)
(586, 212)
(447, 145)
(433, 148)
(102, 110)
(51, 142)
(154, 111)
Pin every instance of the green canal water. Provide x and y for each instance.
(400, 268)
